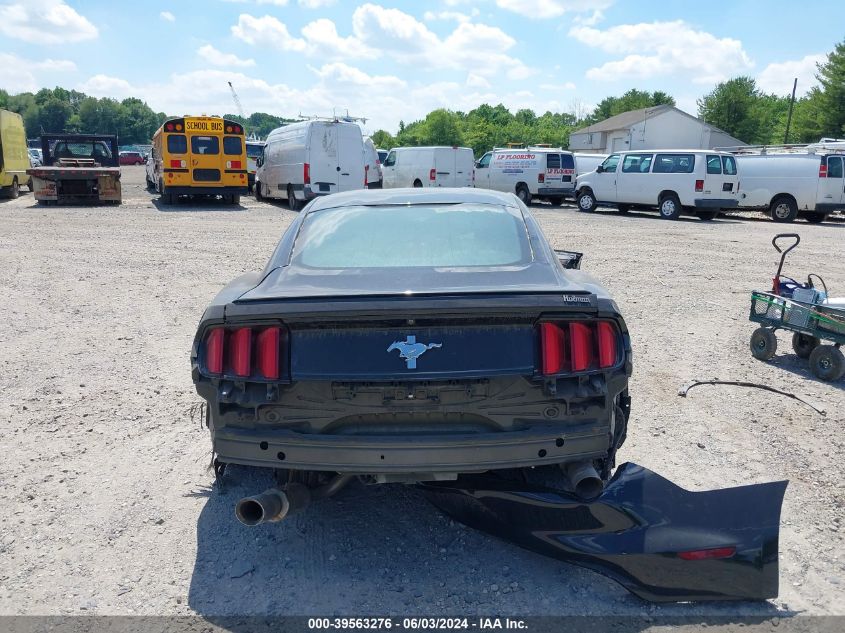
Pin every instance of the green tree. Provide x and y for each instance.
(383, 139)
(831, 97)
(732, 106)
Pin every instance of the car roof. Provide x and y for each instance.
(438, 195)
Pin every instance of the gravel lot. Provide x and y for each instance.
(107, 504)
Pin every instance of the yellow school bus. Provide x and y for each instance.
(202, 155)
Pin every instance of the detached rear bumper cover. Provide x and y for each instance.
(641, 532)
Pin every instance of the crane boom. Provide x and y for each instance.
(237, 101)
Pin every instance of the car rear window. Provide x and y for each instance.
(205, 145)
(177, 144)
(254, 151)
(433, 236)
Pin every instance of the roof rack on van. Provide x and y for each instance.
(795, 148)
(335, 117)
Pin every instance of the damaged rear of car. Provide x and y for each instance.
(409, 336)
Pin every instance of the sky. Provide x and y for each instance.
(391, 61)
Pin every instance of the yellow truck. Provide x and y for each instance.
(14, 157)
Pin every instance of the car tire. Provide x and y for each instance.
(707, 216)
(669, 207)
(783, 209)
(623, 208)
(804, 344)
(417, 184)
(293, 203)
(827, 363)
(815, 218)
(586, 201)
(523, 194)
(258, 194)
(764, 343)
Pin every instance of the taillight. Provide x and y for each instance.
(175, 164)
(214, 350)
(245, 352)
(541, 178)
(267, 352)
(699, 185)
(306, 174)
(823, 169)
(432, 175)
(234, 164)
(366, 171)
(577, 346)
(240, 351)
(169, 127)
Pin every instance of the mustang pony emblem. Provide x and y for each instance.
(410, 350)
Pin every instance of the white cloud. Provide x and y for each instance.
(478, 48)
(544, 9)
(45, 22)
(556, 87)
(323, 40)
(21, 75)
(106, 86)
(266, 31)
(777, 77)
(167, 16)
(477, 81)
(315, 4)
(663, 48)
(219, 58)
(278, 3)
(596, 17)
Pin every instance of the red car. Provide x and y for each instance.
(131, 158)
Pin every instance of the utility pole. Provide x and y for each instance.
(789, 117)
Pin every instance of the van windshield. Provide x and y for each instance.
(434, 236)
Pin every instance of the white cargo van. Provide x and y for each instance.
(372, 165)
(585, 163)
(700, 182)
(254, 151)
(791, 182)
(311, 158)
(542, 173)
(428, 167)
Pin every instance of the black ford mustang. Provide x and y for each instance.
(413, 335)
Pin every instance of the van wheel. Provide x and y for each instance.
(670, 207)
(586, 201)
(293, 203)
(258, 194)
(815, 218)
(417, 184)
(555, 201)
(707, 215)
(783, 209)
(523, 194)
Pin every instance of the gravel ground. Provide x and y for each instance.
(105, 488)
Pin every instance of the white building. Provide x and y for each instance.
(660, 127)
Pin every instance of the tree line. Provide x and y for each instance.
(737, 106)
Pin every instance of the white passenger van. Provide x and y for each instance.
(585, 163)
(311, 158)
(372, 165)
(675, 181)
(543, 173)
(428, 167)
(793, 181)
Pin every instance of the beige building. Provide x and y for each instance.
(659, 127)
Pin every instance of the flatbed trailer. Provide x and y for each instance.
(77, 169)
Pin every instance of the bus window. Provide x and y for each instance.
(205, 145)
(232, 146)
(177, 144)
